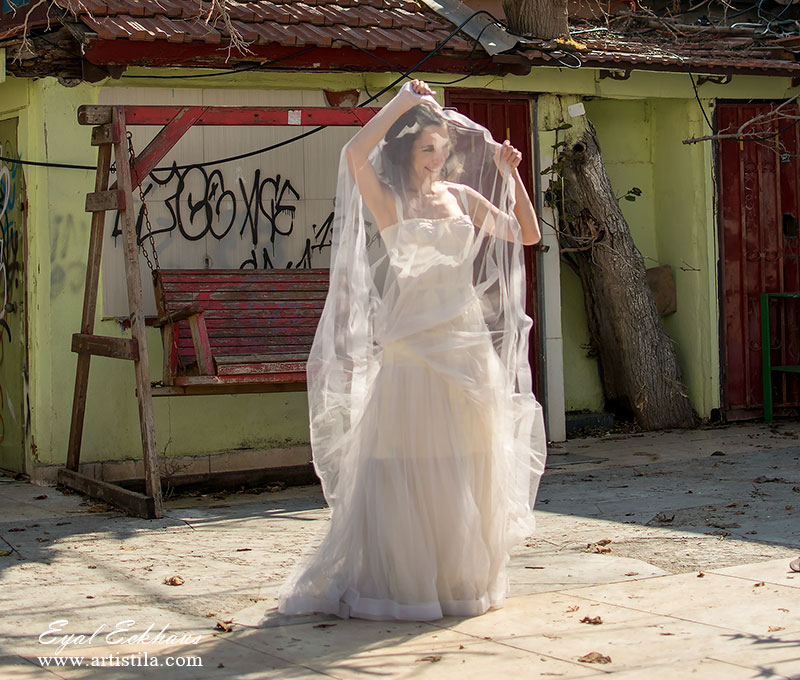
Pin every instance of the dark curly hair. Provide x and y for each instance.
(399, 142)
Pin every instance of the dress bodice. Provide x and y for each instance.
(432, 263)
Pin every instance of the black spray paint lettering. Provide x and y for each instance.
(263, 211)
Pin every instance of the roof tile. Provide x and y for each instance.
(397, 25)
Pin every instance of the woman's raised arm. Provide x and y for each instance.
(376, 194)
(491, 218)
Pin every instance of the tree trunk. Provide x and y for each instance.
(639, 368)
(537, 18)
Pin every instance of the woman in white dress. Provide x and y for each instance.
(424, 430)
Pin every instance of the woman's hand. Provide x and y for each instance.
(420, 88)
(507, 156)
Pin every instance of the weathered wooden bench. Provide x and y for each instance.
(230, 331)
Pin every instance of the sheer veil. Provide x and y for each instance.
(390, 287)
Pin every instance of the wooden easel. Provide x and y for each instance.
(110, 131)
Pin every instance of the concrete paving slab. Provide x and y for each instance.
(555, 571)
(213, 658)
(774, 571)
(737, 604)
(701, 669)
(778, 653)
(355, 649)
(17, 668)
(631, 640)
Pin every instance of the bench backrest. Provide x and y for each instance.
(246, 311)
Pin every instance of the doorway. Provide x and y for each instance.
(508, 116)
(759, 252)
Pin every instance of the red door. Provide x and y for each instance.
(508, 116)
(759, 253)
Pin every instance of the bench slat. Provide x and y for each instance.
(186, 297)
(235, 347)
(257, 305)
(298, 376)
(261, 358)
(263, 368)
(211, 284)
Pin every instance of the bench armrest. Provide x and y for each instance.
(179, 315)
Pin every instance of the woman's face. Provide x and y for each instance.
(429, 154)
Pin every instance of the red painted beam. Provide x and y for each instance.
(169, 136)
(249, 115)
(195, 54)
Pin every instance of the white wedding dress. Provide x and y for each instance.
(424, 515)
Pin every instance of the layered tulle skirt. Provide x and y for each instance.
(428, 505)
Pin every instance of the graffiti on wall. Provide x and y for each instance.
(11, 273)
(195, 202)
(10, 242)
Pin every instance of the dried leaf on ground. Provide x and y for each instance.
(40, 497)
(224, 626)
(593, 620)
(599, 546)
(433, 658)
(775, 629)
(5, 553)
(664, 517)
(595, 657)
(769, 480)
(324, 625)
(174, 581)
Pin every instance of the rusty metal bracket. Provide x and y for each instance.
(717, 80)
(614, 74)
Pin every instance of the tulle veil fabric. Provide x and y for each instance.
(425, 431)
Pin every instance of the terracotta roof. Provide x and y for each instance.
(397, 25)
(365, 35)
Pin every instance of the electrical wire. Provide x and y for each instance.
(699, 103)
(431, 82)
(764, 138)
(229, 72)
(272, 147)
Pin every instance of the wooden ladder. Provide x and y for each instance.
(110, 132)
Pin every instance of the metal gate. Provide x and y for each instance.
(759, 253)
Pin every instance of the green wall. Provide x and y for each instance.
(640, 123)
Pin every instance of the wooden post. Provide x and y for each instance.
(136, 307)
(89, 309)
